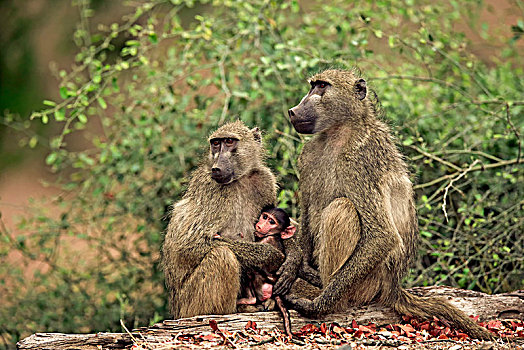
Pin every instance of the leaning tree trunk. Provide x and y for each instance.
(487, 307)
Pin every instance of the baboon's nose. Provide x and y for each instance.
(291, 113)
(215, 171)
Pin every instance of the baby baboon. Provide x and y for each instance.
(225, 196)
(273, 226)
(358, 220)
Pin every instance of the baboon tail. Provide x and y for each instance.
(426, 308)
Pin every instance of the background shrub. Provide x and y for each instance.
(147, 91)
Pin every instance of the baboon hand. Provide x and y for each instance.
(287, 274)
(303, 306)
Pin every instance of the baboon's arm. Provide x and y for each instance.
(288, 272)
(254, 255)
(309, 274)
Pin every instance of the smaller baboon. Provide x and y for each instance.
(225, 195)
(272, 227)
(358, 220)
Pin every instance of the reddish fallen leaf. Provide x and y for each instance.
(365, 329)
(354, 324)
(338, 330)
(210, 336)
(462, 336)
(442, 336)
(251, 325)
(309, 328)
(323, 328)
(424, 325)
(494, 325)
(358, 334)
(434, 332)
(213, 324)
(407, 328)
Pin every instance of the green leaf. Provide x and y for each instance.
(391, 41)
(51, 158)
(132, 43)
(153, 38)
(102, 102)
(63, 92)
(82, 118)
(49, 103)
(60, 114)
(33, 141)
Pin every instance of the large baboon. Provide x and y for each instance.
(358, 220)
(225, 196)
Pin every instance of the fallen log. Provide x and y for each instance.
(508, 306)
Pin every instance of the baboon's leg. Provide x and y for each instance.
(340, 232)
(338, 236)
(213, 286)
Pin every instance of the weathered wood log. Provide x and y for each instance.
(501, 306)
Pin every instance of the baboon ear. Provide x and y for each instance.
(288, 232)
(257, 134)
(360, 89)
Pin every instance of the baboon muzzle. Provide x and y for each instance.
(221, 173)
(300, 120)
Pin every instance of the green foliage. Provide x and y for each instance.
(147, 91)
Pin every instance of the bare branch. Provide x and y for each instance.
(476, 168)
(451, 184)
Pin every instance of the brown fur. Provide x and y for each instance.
(202, 273)
(358, 218)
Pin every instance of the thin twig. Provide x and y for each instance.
(515, 131)
(451, 184)
(434, 157)
(287, 135)
(131, 335)
(476, 168)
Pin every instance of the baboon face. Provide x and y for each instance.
(274, 221)
(235, 150)
(334, 97)
(222, 153)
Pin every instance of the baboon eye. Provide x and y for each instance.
(229, 142)
(215, 142)
(271, 221)
(264, 216)
(322, 85)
